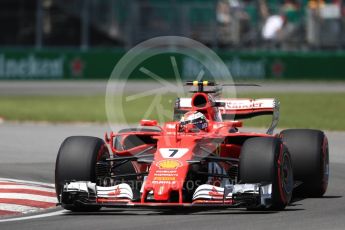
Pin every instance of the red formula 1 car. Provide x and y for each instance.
(200, 160)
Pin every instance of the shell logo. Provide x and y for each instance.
(169, 164)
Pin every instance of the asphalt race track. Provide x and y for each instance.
(28, 151)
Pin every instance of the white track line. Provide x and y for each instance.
(17, 208)
(57, 213)
(28, 197)
(16, 186)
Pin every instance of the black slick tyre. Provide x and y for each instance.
(77, 160)
(310, 156)
(266, 160)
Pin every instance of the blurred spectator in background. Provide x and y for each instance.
(224, 21)
(279, 27)
(291, 11)
(273, 24)
(272, 27)
(315, 4)
(325, 25)
(223, 12)
(263, 8)
(233, 21)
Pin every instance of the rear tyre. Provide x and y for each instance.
(77, 160)
(310, 156)
(266, 160)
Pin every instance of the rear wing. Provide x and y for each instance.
(237, 108)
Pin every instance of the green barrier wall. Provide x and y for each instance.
(56, 64)
(98, 64)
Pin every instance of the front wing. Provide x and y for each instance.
(83, 193)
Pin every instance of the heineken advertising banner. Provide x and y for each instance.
(56, 64)
(98, 64)
(31, 66)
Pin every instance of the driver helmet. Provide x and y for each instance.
(196, 118)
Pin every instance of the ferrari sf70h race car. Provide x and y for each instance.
(201, 159)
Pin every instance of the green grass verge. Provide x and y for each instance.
(298, 110)
(53, 108)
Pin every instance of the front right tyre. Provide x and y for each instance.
(266, 160)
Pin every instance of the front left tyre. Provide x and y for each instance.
(77, 160)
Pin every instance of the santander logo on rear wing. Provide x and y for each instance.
(240, 108)
(234, 105)
(247, 108)
(247, 104)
